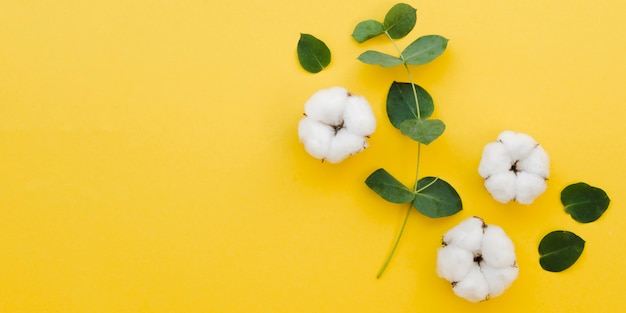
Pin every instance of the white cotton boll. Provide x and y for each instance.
(497, 248)
(537, 162)
(345, 144)
(316, 137)
(473, 287)
(495, 159)
(518, 145)
(528, 187)
(454, 263)
(467, 235)
(502, 186)
(524, 157)
(481, 274)
(499, 279)
(336, 124)
(358, 117)
(327, 105)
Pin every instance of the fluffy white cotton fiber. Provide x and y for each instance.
(454, 263)
(478, 259)
(336, 124)
(515, 167)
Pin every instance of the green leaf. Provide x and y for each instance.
(367, 29)
(379, 58)
(400, 20)
(313, 53)
(388, 187)
(423, 131)
(424, 49)
(401, 103)
(559, 250)
(436, 198)
(584, 203)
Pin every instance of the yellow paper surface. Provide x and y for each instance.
(149, 160)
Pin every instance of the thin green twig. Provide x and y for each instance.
(419, 148)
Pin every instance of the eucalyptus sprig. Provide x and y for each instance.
(409, 108)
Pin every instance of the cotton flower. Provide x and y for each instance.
(515, 167)
(478, 259)
(336, 124)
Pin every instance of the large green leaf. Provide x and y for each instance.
(367, 29)
(388, 187)
(313, 53)
(559, 250)
(424, 49)
(436, 198)
(379, 58)
(584, 203)
(423, 131)
(401, 103)
(400, 20)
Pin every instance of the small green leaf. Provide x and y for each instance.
(401, 103)
(423, 131)
(436, 198)
(388, 187)
(584, 203)
(400, 20)
(367, 29)
(313, 53)
(424, 49)
(379, 58)
(559, 250)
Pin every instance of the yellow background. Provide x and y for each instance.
(149, 160)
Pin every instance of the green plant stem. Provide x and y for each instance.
(417, 109)
(417, 166)
(395, 245)
(417, 105)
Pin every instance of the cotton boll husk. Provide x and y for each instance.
(537, 162)
(473, 287)
(454, 263)
(316, 137)
(502, 186)
(495, 159)
(327, 105)
(528, 187)
(358, 117)
(518, 145)
(345, 144)
(467, 235)
(498, 279)
(497, 248)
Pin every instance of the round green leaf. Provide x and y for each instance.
(379, 58)
(424, 49)
(313, 53)
(436, 198)
(559, 250)
(389, 188)
(367, 29)
(584, 203)
(401, 103)
(423, 131)
(400, 20)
